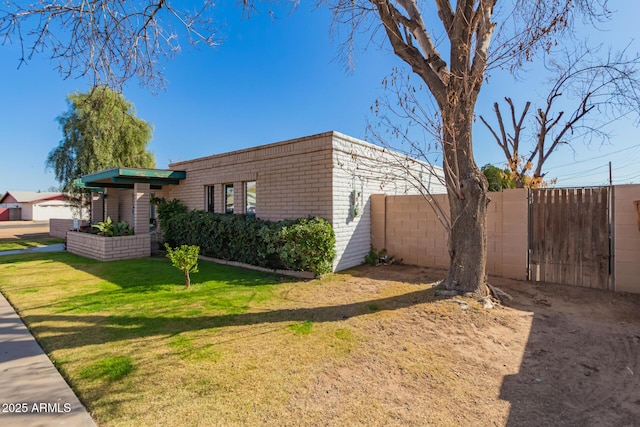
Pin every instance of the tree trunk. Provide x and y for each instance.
(468, 200)
(187, 279)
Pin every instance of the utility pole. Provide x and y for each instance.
(610, 175)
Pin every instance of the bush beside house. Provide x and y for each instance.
(305, 244)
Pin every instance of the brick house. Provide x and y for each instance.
(329, 175)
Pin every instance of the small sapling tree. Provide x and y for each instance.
(185, 258)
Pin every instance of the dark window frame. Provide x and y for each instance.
(210, 198)
(228, 192)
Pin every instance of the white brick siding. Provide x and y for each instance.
(366, 169)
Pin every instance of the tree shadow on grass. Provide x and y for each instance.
(81, 330)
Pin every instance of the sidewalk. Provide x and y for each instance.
(57, 247)
(32, 391)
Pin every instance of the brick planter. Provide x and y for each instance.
(109, 248)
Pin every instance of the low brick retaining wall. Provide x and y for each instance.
(58, 227)
(108, 248)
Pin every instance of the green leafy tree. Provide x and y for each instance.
(100, 131)
(499, 179)
(185, 258)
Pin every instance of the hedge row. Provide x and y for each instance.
(305, 244)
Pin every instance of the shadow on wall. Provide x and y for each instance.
(356, 238)
(580, 367)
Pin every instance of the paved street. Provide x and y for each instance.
(22, 229)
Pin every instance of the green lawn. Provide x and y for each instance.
(140, 349)
(241, 347)
(14, 244)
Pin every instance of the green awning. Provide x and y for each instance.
(127, 177)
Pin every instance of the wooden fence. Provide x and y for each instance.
(569, 236)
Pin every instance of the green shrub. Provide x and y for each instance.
(166, 211)
(308, 245)
(375, 257)
(109, 228)
(305, 244)
(184, 258)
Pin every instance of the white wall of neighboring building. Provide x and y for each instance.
(26, 211)
(47, 209)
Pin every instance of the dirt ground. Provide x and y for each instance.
(555, 356)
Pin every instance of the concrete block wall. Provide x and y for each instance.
(97, 208)
(365, 169)
(495, 227)
(515, 243)
(408, 227)
(111, 203)
(141, 197)
(108, 248)
(125, 211)
(314, 175)
(58, 227)
(626, 239)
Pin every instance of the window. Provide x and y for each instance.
(250, 197)
(152, 212)
(228, 198)
(209, 199)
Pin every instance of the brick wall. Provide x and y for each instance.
(125, 207)
(293, 178)
(59, 227)
(626, 239)
(314, 175)
(108, 248)
(112, 204)
(141, 198)
(407, 227)
(97, 208)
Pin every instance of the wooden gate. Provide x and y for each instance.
(569, 236)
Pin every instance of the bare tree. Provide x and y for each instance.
(454, 82)
(601, 92)
(110, 42)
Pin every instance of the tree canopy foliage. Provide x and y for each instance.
(99, 131)
(498, 179)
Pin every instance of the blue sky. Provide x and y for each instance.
(270, 81)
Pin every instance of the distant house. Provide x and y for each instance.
(330, 175)
(35, 206)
